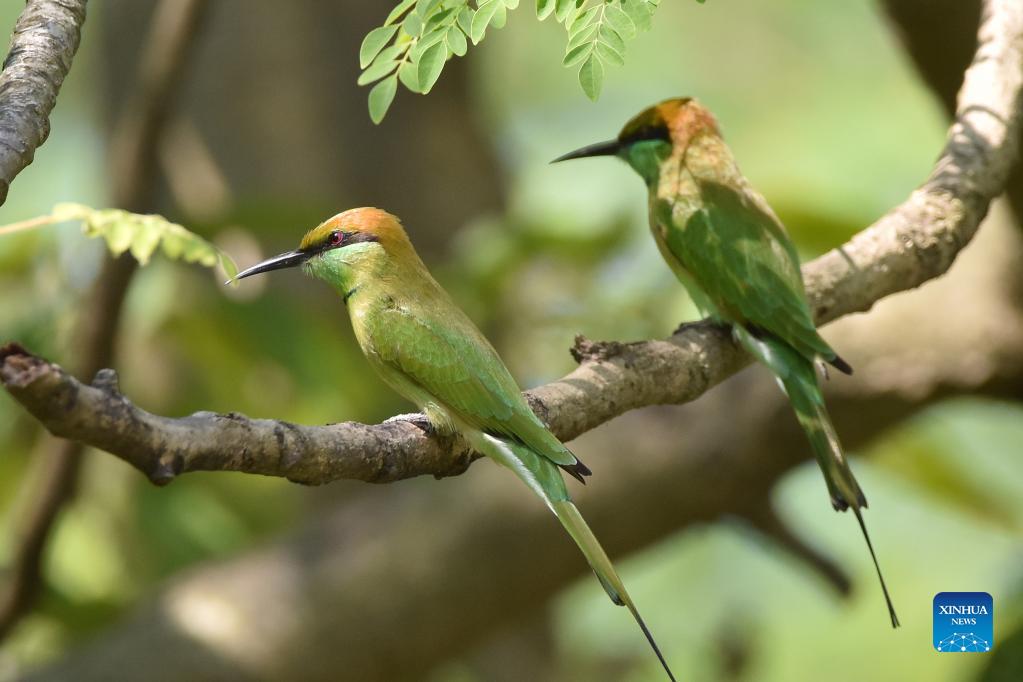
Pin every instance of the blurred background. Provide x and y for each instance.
(718, 518)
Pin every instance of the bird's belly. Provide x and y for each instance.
(438, 415)
(695, 291)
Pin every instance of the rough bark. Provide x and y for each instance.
(940, 37)
(45, 40)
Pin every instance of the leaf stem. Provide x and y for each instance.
(29, 224)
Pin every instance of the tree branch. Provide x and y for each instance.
(133, 178)
(913, 243)
(940, 37)
(45, 41)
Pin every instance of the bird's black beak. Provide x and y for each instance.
(609, 148)
(288, 259)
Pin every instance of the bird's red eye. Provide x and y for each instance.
(336, 237)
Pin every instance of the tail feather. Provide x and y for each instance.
(870, 546)
(545, 480)
(576, 526)
(841, 365)
(799, 380)
(845, 491)
(577, 471)
(813, 417)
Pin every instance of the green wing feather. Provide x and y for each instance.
(747, 266)
(452, 361)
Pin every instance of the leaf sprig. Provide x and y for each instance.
(597, 31)
(417, 39)
(420, 36)
(135, 233)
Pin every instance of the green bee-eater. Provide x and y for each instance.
(726, 245)
(430, 352)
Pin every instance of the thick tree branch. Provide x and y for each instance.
(45, 41)
(940, 37)
(913, 243)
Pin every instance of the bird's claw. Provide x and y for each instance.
(682, 327)
(417, 419)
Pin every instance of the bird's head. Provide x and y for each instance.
(654, 135)
(356, 243)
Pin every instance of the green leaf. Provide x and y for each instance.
(640, 12)
(610, 36)
(145, 241)
(582, 19)
(464, 19)
(413, 24)
(544, 9)
(142, 234)
(584, 36)
(430, 66)
(426, 42)
(66, 212)
(227, 265)
(118, 230)
(408, 74)
(173, 245)
(578, 54)
(400, 9)
(438, 18)
(424, 7)
(391, 52)
(609, 54)
(484, 13)
(373, 43)
(511, 4)
(619, 21)
(562, 8)
(456, 41)
(198, 252)
(380, 98)
(591, 77)
(500, 17)
(377, 70)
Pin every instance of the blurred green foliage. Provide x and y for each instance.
(139, 235)
(828, 121)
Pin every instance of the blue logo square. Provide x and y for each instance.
(963, 622)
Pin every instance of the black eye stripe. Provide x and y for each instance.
(646, 133)
(346, 238)
(356, 237)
